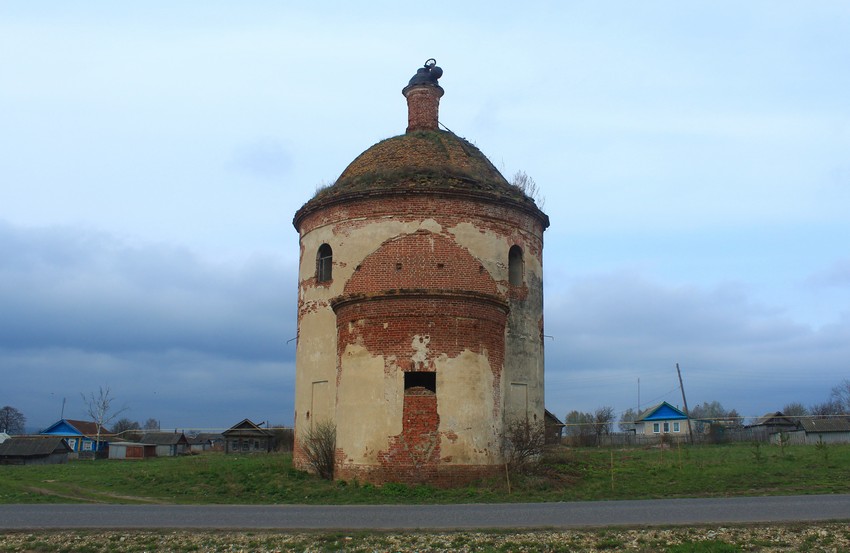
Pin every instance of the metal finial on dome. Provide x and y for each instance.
(423, 94)
(427, 74)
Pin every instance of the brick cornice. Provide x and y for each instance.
(420, 293)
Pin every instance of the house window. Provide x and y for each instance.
(656, 428)
(324, 263)
(87, 446)
(72, 443)
(675, 427)
(515, 265)
(666, 427)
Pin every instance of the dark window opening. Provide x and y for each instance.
(398, 266)
(324, 263)
(515, 266)
(420, 383)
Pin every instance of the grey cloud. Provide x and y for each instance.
(611, 329)
(181, 389)
(75, 289)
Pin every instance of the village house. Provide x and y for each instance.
(34, 450)
(662, 420)
(81, 436)
(167, 444)
(247, 437)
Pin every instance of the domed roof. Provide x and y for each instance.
(421, 162)
(425, 160)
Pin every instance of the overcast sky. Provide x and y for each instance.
(694, 159)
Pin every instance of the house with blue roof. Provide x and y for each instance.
(662, 419)
(81, 436)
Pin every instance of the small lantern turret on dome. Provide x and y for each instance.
(423, 94)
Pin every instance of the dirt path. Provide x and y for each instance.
(79, 494)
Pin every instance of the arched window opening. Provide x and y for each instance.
(515, 266)
(324, 263)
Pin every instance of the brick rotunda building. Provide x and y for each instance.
(420, 306)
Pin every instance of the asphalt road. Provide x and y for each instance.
(437, 517)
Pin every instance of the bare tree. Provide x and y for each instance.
(795, 410)
(123, 425)
(99, 408)
(603, 421)
(826, 409)
(841, 396)
(151, 424)
(627, 420)
(734, 420)
(579, 428)
(707, 413)
(12, 420)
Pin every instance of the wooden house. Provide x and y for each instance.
(34, 450)
(826, 431)
(553, 427)
(206, 441)
(80, 435)
(775, 422)
(168, 444)
(660, 420)
(247, 437)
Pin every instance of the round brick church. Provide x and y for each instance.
(420, 306)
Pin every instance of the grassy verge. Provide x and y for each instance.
(563, 475)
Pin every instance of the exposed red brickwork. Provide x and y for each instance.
(422, 260)
(421, 299)
(503, 218)
(416, 451)
(387, 325)
(423, 106)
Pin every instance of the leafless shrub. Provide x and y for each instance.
(319, 445)
(523, 441)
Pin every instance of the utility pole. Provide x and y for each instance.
(685, 401)
(638, 405)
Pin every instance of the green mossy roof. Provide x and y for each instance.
(421, 161)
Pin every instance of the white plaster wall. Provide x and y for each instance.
(468, 407)
(376, 396)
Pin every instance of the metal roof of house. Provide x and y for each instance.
(205, 437)
(774, 419)
(163, 438)
(246, 428)
(662, 411)
(825, 425)
(32, 446)
(72, 427)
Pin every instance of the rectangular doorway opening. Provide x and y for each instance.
(420, 383)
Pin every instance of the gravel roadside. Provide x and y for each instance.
(828, 537)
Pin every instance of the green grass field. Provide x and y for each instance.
(563, 475)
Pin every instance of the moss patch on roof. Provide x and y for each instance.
(423, 161)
